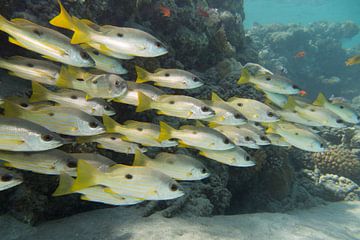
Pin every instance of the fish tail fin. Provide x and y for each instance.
(4, 23)
(320, 100)
(62, 80)
(87, 176)
(212, 124)
(11, 109)
(110, 124)
(39, 92)
(291, 104)
(216, 98)
(65, 184)
(144, 102)
(82, 32)
(63, 20)
(83, 140)
(165, 132)
(139, 158)
(245, 76)
(141, 75)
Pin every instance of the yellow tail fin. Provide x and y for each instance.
(212, 124)
(12, 109)
(110, 124)
(142, 75)
(245, 76)
(140, 159)
(63, 20)
(320, 100)
(216, 98)
(4, 23)
(65, 184)
(144, 102)
(81, 32)
(83, 140)
(63, 79)
(165, 132)
(291, 104)
(87, 176)
(39, 92)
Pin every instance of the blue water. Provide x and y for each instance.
(303, 12)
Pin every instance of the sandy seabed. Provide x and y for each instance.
(340, 221)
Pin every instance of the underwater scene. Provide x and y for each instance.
(179, 119)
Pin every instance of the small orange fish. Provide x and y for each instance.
(165, 11)
(302, 92)
(300, 54)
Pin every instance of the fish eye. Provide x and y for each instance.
(140, 129)
(118, 84)
(158, 44)
(51, 114)
(30, 65)
(263, 138)
(172, 102)
(128, 176)
(341, 106)
(93, 124)
(295, 87)
(204, 170)
(107, 107)
(47, 138)
(257, 124)
(296, 133)
(25, 105)
(80, 79)
(358, 117)
(240, 104)
(113, 138)
(172, 139)
(270, 114)
(84, 55)
(95, 82)
(174, 187)
(268, 78)
(167, 74)
(339, 121)
(312, 110)
(120, 35)
(247, 138)
(247, 158)
(195, 79)
(226, 141)
(205, 109)
(322, 145)
(72, 164)
(238, 116)
(74, 97)
(7, 177)
(96, 52)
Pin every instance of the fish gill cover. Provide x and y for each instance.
(135, 101)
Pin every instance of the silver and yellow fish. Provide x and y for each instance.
(95, 85)
(97, 160)
(196, 137)
(31, 69)
(94, 193)
(177, 166)
(277, 140)
(131, 97)
(275, 98)
(139, 182)
(51, 162)
(170, 78)
(224, 113)
(145, 133)
(50, 43)
(63, 120)
(103, 62)
(341, 109)
(114, 142)
(259, 137)
(239, 136)
(236, 157)
(254, 110)
(298, 136)
(176, 106)
(22, 135)
(268, 82)
(74, 98)
(9, 179)
(126, 41)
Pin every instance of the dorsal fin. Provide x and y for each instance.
(216, 98)
(320, 100)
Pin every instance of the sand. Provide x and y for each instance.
(340, 221)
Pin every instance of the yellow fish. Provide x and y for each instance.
(94, 193)
(139, 182)
(22, 135)
(114, 142)
(239, 136)
(177, 166)
(63, 120)
(31, 69)
(176, 106)
(353, 60)
(50, 43)
(144, 133)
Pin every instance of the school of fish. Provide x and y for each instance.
(71, 103)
